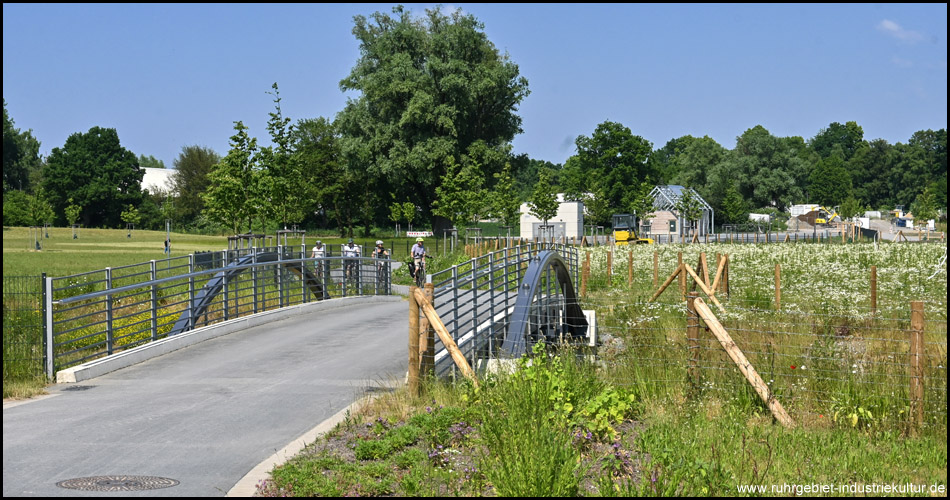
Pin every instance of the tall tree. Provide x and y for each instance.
(21, 156)
(233, 195)
(830, 182)
(612, 156)
(190, 179)
(461, 197)
(771, 171)
(430, 89)
(150, 162)
(847, 138)
(330, 188)
(98, 173)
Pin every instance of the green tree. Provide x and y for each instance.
(16, 208)
(690, 208)
(131, 217)
(72, 212)
(280, 176)
(150, 162)
(504, 201)
(98, 173)
(461, 197)
(846, 139)
(429, 89)
(190, 179)
(21, 156)
(771, 171)
(925, 206)
(324, 181)
(850, 208)
(543, 203)
(640, 203)
(232, 196)
(830, 182)
(614, 158)
(734, 209)
(41, 211)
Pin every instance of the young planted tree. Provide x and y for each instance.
(232, 195)
(504, 201)
(131, 217)
(543, 203)
(689, 208)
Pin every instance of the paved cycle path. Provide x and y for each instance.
(207, 414)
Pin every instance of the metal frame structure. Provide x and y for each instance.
(98, 313)
(667, 197)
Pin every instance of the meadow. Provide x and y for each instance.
(653, 419)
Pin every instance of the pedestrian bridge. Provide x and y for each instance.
(496, 305)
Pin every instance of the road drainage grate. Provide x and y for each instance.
(77, 388)
(117, 483)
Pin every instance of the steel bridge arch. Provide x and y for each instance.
(541, 313)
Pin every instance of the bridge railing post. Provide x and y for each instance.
(191, 292)
(254, 276)
(280, 276)
(153, 295)
(109, 311)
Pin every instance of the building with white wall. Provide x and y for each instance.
(568, 223)
(156, 179)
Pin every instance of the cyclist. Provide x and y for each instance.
(351, 265)
(380, 253)
(418, 253)
(318, 252)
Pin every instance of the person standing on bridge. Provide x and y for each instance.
(351, 265)
(318, 252)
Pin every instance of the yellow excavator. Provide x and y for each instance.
(624, 232)
(826, 216)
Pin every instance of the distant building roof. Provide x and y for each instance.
(157, 178)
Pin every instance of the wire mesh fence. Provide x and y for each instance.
(22, 327)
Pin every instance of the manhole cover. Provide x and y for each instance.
(117, 483)
(78, 387)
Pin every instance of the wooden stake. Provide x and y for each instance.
(916, 370)
(679, 261)
(705, 267)
(703, 287)
(427, 338)
(692, 339)
(630, 269)
(720, 267)
(873, 289)
(656, 268)
(444, 336)
(744, 366)
(414, 385)
(610, 265)
(677, 271)
(778, 287)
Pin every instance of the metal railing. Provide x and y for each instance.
(475, 299)
(98, 313)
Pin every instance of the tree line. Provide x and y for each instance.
(428, 142)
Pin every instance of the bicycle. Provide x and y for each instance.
(420, 275)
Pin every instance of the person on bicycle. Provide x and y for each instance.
(351, 264)
(418, 253)
(379, 252)
(318, 252)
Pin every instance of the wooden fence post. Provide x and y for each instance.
(656, 268)
(916, 369)
(427, 337)
(778, 287)
(682, 276)
(585, 275)
(873, 289)
(610, 265)
(692, 340)
(630, 270)
(414, 386)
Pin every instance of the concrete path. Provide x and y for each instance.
(208, 414)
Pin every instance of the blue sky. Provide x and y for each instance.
(172, 75)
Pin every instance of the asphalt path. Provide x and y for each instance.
(207, 414)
